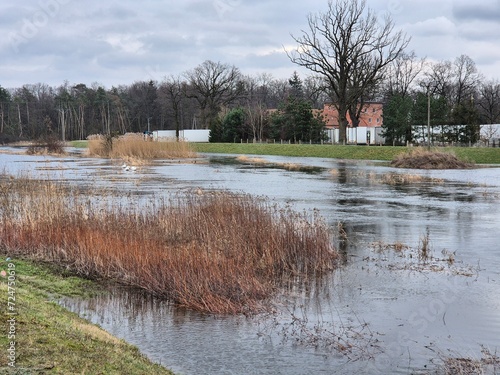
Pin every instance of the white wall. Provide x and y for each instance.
(188, 135)
(358, 135)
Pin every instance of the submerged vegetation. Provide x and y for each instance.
(399, 256)
(488, 362)
(426, 159)
(135, 147)
(260, 162)
(214, 252)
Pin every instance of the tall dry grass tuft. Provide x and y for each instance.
(215, 252)
(134, 147)
(425, 159)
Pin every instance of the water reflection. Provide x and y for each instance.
(415, 315)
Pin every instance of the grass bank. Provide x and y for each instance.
(48, 338)
(479, 155)
(384, 153)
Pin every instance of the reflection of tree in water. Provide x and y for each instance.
(342, 237)
(342, 173)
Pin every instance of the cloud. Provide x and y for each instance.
(128, 43)
(433, 27)
(484, 10)
(119, 42)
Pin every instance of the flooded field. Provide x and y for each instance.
(419, 283)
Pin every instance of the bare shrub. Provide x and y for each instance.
(215, 252)
(46, 145)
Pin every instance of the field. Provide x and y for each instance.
(385, 153)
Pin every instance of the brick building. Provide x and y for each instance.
(371, 115)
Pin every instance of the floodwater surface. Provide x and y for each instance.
(387, 309)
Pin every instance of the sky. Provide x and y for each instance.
(115, 43)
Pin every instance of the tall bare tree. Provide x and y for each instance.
(489, 102)
(467, 79)
(438, 79)
(402, 73)
(350, 48)
(171, 93)
(213, 85)
(255, 103)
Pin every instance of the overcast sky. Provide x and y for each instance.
(119, 42)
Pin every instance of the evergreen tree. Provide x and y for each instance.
(398, 119)
(233, 125)
(215, 131)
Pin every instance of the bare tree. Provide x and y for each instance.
(351, 49)
(489, 101)
(402, 73)
(438, 78)
(255, 102)
(467, 79)
(315, 91)
(172, 92)
(213, 85)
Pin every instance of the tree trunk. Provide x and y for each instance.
(342, 124)
(20, 123)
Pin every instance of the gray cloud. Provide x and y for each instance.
(119, 42)
(485, 10)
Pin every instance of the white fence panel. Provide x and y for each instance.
(188, 135)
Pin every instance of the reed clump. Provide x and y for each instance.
(419, 158)
(286, 166)
(409, 179)
(48, 145)
(214, 252)
(135, 146)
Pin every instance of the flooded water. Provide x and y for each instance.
(384, 311)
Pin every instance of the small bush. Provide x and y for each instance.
(47, 145)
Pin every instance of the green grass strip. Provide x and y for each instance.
(50, 339)
(385, 153)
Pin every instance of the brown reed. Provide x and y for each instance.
(215, 252)
(135, 146)
(419, 158)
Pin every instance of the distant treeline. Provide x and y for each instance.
(453, 95)
(200, 98)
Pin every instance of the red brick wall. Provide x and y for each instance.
(371, 115)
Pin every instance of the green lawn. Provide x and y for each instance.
(472, 154)
(479, 155)
(51, 340)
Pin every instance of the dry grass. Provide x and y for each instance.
(408, 179)
(49, 145)
(135, 147)
(246, 159)
(213, 252)
(487, 363)
(399, 256)
(419, 158)
(293, 167)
